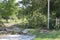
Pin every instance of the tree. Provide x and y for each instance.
(8, 9)
(34, 12)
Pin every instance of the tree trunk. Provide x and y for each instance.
(6, 20)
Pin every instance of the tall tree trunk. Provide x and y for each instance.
(6, 20)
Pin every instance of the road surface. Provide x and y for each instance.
(17, 37)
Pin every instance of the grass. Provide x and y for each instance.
(53, 35)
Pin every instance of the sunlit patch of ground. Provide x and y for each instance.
(52, 35)
(47, 39)
(15, 21)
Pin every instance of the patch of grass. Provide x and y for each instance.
(53, 35)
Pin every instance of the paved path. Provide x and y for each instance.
(17, 37)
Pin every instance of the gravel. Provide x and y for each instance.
(18, 37)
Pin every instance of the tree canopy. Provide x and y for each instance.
(35, 11)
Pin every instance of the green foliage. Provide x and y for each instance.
(35, 11)
(8, 9)
(52, 35)
(37, 20)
